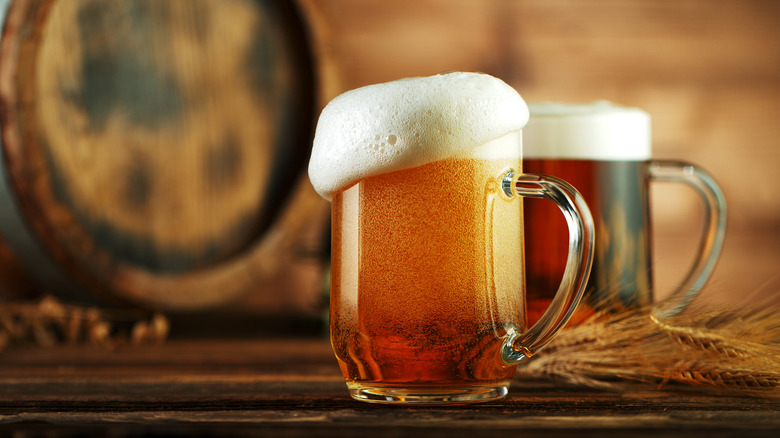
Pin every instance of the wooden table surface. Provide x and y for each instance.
(292, 387)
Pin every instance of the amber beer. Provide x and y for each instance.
(605, 151)
(427, 277)
(427, 286)
(617, 194)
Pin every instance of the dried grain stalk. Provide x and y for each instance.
(711, 349)
(49, 322)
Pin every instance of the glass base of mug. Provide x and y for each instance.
(426, 395)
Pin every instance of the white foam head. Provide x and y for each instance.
(592, 131)
(410, 122)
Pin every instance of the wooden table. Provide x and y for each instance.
(291, 387)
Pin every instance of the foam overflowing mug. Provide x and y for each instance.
(427, 286)
(605, 151)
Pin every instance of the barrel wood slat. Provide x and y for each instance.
(153, 152)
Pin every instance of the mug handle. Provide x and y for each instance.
(520, 346)
(712, 237)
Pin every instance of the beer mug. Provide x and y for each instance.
(427, 285)
(605, 151)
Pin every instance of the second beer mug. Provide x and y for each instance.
(605, 151)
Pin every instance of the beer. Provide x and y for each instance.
(424, 281)
(617, 194)
(605, 151)
(427, 285)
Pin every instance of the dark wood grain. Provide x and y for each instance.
(293, 387)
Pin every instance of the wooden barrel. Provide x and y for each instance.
(153, 152)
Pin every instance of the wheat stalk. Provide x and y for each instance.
(696, 373)
(49, 322)
(709, 349)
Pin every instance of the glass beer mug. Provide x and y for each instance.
(605, 151)
(427, 262)
(427, 286)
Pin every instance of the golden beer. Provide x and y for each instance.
(427, 276)
(605, 151)
(617, 193)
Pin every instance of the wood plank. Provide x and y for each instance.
(294, 386)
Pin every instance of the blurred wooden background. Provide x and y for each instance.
(708, 72)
